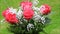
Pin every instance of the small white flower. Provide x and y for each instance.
(19, 14)
(12, 10)
(43, 20)
(29, 26)
(36, 8)
(36, 17)
(35, 2)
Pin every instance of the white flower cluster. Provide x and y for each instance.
(19, 13)
(29, 26)
(12, 10)
(39, 18)
(35, 2)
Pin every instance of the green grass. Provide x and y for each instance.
(52, 28)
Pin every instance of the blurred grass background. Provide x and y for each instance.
(52, 28)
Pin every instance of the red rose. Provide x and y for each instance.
(28, 14)
(11, 18)
(45, 9)
(26, 5)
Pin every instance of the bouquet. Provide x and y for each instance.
(27, 19)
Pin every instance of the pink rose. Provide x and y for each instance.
(28, 14)
(5, 12)
(11, 18)
(45, 9)
(26, 5)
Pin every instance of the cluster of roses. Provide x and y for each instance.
(11, 15)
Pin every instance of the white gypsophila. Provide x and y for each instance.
(25, 20)
(19, 13)
(36, 8)
(35, 2)
(43, 20)
(36, 17)
(29, 26)
(11, 9)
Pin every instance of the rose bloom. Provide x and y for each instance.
(26, 5)
(5, 12)
(28, 14)
(11, 18)
(9, 10)
(45, 9)
(10, 15)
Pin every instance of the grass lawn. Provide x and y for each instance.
(52, 28)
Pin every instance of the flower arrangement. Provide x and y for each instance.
(28, 19)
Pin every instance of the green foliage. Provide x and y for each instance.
(22, 28)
